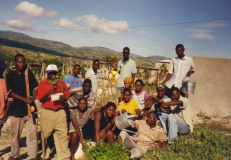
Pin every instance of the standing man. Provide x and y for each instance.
(93, 75)
(127, 68)
(73, 80)
(16, 88)
(53, 117)
(180, 67)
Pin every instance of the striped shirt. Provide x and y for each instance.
(148, 137)
(76, 94)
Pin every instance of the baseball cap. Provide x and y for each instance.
(2, 64)
(160, 86)
(52, 68)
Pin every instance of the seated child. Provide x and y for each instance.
(139, 95)
(128, 105)
(150, 135)
(79, 118)
(128, 83)
(101, 127)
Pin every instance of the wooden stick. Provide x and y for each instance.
(27, 88)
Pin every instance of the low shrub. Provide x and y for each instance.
(103, 151)
(203, 143)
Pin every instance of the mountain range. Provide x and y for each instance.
(41, 49)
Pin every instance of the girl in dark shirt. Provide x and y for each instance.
(101, 127)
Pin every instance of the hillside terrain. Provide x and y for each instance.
(37, 50)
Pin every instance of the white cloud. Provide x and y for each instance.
(94, 24)
(195, 30)
(142, 32)
(66, 23)
(203, 36)
(51, 13)
(18, 24)
(29, 9)
(33, 10)
(212, 25)
(107, 42)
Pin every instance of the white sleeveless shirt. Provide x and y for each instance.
(139, 99)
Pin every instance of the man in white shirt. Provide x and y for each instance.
(94, 76)
(180, 67)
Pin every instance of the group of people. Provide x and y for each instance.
(72, 117)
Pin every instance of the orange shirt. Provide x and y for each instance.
(44, 87)
(3, 97)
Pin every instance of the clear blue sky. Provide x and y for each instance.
(105, 23)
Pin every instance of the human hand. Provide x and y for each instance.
(102, 133)
(4, 118)
(161, 108)
(81, 140)
(123, 111)
(189, 73)
(62, 97)
(149, 98)
(29, 100)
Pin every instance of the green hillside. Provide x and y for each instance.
(37, 50)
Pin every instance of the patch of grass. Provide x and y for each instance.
(203, 143)
(215, 127)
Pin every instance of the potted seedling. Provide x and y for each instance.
(59, 90)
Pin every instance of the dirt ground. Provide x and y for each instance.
(219, 124)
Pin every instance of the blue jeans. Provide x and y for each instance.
(176, 124)
(163, 118)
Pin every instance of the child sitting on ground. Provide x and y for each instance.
(139, 95)
(128, 83)
(79, 118)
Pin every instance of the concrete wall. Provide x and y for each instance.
(213, 86)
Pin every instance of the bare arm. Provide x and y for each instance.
(27, 100)
(98, 116)
(44, 98)
(172, 103)
(5, 114)
(169, 75)
(92, 114)
(122, 95)
(158, 100)
(76, 126)
(138, 113)
(133, 77)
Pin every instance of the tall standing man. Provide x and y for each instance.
(93, 75)
(73, 80)
(180, 67)
(127, 68)
(53, 117)
(16, 88)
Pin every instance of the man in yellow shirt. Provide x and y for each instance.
(128, 105)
